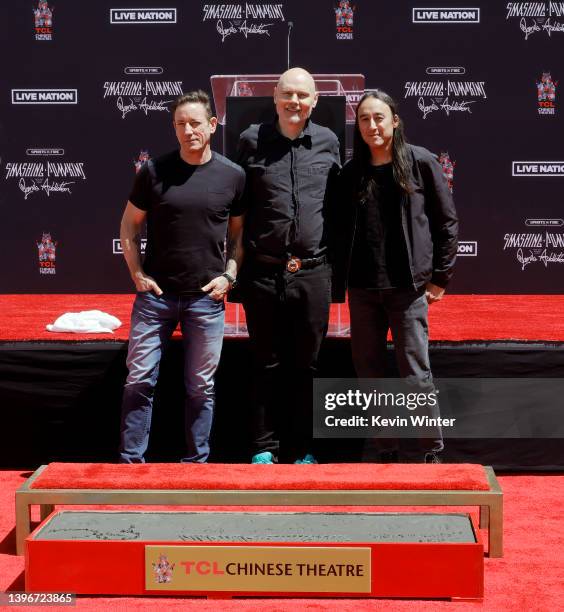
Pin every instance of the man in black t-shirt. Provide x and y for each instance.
(189, 199)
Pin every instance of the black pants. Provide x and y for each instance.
(405, 312)
(287, 318)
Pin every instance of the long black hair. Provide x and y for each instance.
(400, 154)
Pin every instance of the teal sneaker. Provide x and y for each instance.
(266, 457)
(307, 460)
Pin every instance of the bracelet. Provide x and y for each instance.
(230, 278)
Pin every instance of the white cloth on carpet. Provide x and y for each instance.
(85, 322)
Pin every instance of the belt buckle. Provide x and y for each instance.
(293, 264)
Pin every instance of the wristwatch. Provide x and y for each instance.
(232, 280)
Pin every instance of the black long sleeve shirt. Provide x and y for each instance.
(286, 196)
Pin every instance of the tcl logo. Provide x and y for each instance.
(203, 568)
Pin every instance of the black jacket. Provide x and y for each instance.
(429, 223)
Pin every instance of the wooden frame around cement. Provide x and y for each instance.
(490, 501)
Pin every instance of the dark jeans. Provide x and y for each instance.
(287, 318)
(405, 313)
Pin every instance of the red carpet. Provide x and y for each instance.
(456, 318)
(362, 476)
(530, 578)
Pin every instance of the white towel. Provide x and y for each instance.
(85, 322)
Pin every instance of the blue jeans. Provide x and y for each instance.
(153, 320)
(405, 313)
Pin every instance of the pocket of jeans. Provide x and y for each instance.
(146, 294)
(208, 297)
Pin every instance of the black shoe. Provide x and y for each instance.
(432, 457)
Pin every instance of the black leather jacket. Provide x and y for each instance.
(429, 223)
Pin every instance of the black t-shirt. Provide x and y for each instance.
(379, 256)
(187, 212)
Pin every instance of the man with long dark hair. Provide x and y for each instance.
(400, 246)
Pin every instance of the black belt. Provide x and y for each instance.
(292, 264)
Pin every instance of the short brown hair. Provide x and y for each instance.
(199, 96)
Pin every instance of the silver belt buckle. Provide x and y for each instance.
(293, 264)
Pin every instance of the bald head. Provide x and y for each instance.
(297, 75)
(294, 97)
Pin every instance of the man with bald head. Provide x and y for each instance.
(285, 283)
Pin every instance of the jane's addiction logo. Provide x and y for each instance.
(248, 19)
(448, 169)
(536, 17)
(163, 570)
(448, 96)
(546, 94)
(141, 159)
(43, 21)
(47, 177)
(344, 15)
(532, 248)
(46, 252)
(143, 96)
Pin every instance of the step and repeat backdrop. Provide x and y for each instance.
(84, 96)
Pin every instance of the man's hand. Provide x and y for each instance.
(217, 288)
(433, 293)
(144, 283)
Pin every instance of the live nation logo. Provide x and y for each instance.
(137, 16)
(44, 96)
(467, 248)
(43, 18)
(537, 17)
(45, 176)
(541, 247)
(447, 94)
(445, 15)
(138, 95)
(247, 19)
(537, 168)
(117, 248)
(546, 94)
(46, 253)
(344, 16)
